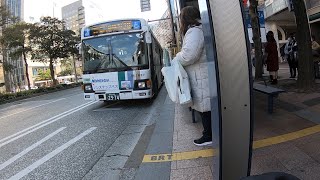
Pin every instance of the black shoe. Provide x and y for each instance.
(203, 141)
(274, 81)
(271, 78)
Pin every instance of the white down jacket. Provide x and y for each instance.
(193, 58)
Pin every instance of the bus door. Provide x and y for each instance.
(151, 55)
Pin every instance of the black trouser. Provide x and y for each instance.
(293, 67)
(206, 123)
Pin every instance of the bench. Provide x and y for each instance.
(270, 91)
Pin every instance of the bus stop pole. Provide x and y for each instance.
(230, 77)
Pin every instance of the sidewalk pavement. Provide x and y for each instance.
(292, 134)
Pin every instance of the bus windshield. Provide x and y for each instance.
(114, 53)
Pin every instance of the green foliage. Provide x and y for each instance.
(6, 17)
(7, 67)
(15, 37)
(52, 41)
(6, 97)
(43, 75)
(51, 38)
(66, 72)
(66, 64)
(23, 93)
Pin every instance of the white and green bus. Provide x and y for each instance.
(122, 60)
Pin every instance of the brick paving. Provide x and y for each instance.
(300, 157)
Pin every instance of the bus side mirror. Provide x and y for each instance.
(148, 38)
(80, 50)
(79, 47)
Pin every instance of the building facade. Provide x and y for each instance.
(314, 17)
(74, 17)
(80, 13)
(15, 7)
(280, 19)
(34, 69)
(163, 31)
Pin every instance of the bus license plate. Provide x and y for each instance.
(112, 97)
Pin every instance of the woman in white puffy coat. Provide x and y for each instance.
(193, 58)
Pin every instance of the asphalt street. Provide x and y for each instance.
(61, 136)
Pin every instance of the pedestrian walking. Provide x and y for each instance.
(193, 58)
(272, 60)
(283, 55)
(290, 51)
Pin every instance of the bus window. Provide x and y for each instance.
(121, 51)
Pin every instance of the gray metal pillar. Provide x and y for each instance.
(230, 88)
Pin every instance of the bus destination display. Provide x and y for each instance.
(110, 27)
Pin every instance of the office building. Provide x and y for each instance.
(80, 13)
(15, 7)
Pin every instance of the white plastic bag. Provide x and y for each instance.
(183, 84)
(177, 83)
(170, 82)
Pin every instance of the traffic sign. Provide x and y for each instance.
(145, 5)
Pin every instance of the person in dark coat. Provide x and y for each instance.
(291, 50)
(272, 61)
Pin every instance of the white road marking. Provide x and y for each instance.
(6, 108)
(46, 158)
(42, 124)
(24, 130)
(31, 108)
(14, 158)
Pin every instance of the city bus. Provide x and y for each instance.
(122, 60)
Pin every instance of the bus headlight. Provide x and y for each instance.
(87, 88)
(141, 85)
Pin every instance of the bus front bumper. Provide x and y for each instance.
(103, 96)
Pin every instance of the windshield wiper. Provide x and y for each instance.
(102, 60)
(97, 67)
(123, 63)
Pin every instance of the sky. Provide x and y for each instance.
(112, 9)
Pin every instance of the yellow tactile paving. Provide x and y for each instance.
(156, 158)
